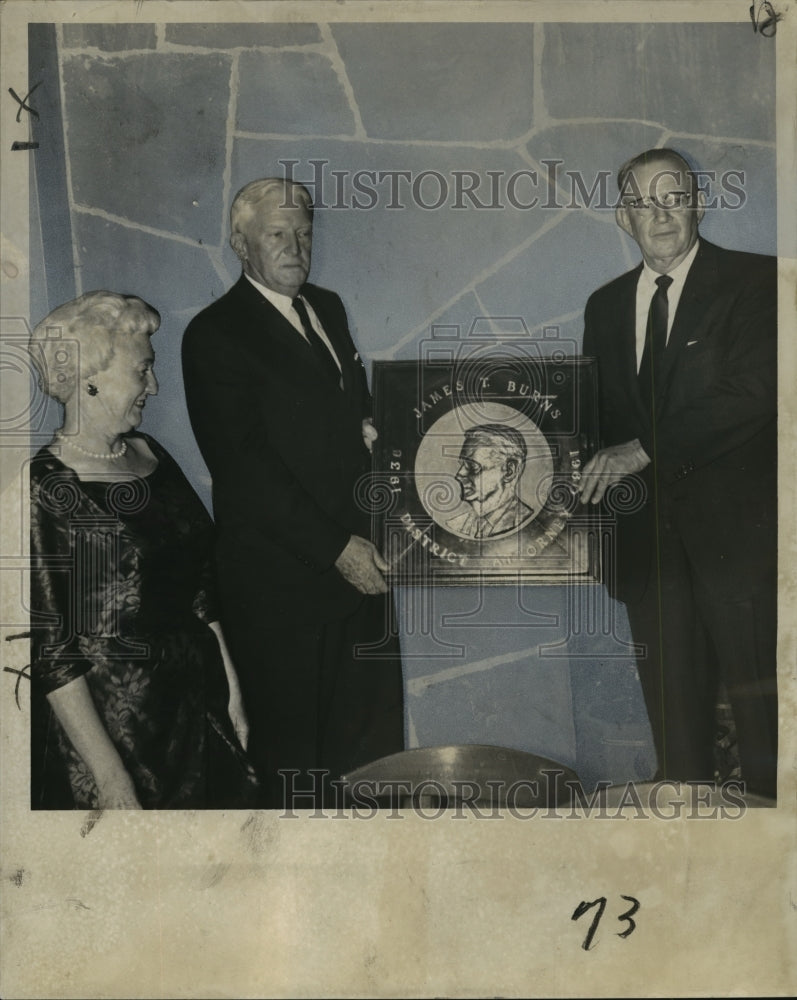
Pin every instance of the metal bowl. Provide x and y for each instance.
(471, 774)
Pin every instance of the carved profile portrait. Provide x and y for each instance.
(491, 464)
(483, 472)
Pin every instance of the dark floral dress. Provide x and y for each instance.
(121, 595)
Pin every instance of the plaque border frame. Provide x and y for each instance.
(399, 515)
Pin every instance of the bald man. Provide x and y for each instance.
(686, 346)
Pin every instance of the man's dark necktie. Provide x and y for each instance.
(650, 368)
(322, 351)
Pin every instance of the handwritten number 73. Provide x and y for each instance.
(600, 903)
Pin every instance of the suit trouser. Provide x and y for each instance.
(692, 642)
(316, 701)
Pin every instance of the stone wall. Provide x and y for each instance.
(162, 124)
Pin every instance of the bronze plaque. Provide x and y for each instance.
(477, 470)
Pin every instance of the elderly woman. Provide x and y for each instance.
(136, 702)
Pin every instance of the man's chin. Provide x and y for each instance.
(294, 275)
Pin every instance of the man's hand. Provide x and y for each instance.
(370, 433)
(609, 466)
(361, 564)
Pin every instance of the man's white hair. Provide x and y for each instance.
(251, 194)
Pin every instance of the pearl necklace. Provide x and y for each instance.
(112, 456)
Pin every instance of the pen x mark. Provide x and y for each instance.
(23, 105)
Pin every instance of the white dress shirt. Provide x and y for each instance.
(645, 290)
(284, 305)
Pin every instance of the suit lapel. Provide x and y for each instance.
(334, 333)
(628, 327)
(626, 308)
(267, 326)
(264, 324)
(696, 298)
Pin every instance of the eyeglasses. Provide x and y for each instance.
(668, 201)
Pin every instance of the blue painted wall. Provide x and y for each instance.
(161, 125)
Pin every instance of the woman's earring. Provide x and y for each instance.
(93, 390)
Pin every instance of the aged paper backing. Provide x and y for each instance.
(251, 905)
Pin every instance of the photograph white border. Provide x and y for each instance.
(254, 905)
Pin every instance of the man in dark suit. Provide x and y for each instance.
(280, 407)
(686, 347)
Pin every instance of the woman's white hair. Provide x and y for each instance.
(79, 338)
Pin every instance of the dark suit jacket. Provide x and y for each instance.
(714, 443)
(284, 447)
